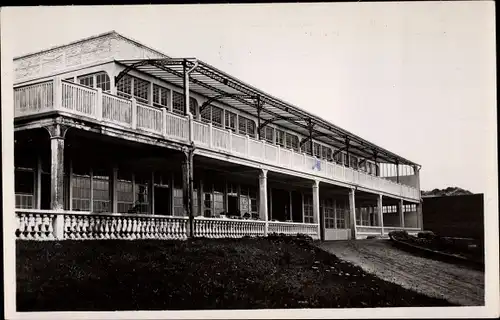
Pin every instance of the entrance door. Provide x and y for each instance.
(232, 206)
(162, 201)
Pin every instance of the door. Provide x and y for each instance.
(162, 201)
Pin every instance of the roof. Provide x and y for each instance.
(211, 82)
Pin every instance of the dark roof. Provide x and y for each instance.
(214, 83)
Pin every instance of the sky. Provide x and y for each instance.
(417, 78)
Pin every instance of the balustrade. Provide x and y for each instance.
(291, 228)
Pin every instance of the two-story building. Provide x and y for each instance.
(106, 147)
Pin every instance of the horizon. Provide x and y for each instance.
(435, 74)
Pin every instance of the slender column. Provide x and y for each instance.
(315, 193)
(401, 214)
(380, 214)
(152, 194)
(172, 193)
(352, 213)
(57, 134)
(38, 182)
(263, 199)
(114, 194)
(420, 221)
(187, 188)
(271, 204)
(290, 198)
(70, 185)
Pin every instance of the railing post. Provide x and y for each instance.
(279, 154)
(210, 135)
(98, 104)
(247, 145)
(190, 127)
(380, 214)
(59, 226)
(134, 113)
(230, 142)
(164, 122)
(58, 92)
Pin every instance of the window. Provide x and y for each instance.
(217, 116)
(317, 150)
(280, 137)
(207, 200)
(142, 194)
(141, 90)
(195, 201)
(96, 80)
(326, 153)
(206, 114)
(353, 162)
(124, 87)
(160, 96)
(267, 134)
(329, 213)
(124, 192)
(345, 159)
(100, 192)
(292, 141)
(341, 211)
(81, 192)
(248, 202)
(178, 197)
(178, 103)
(246, 126)
(230, 120)
(308, 209)
(306, 147)
(24, 188)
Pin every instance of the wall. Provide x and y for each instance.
(81, 53)
(411, 219)
(455, 216)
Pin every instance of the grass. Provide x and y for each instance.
(196, 274)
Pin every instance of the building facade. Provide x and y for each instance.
(117, 140)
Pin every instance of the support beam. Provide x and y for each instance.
(401, 213)
(315, 194)
(380, 214)
(352, 213)
(263, 199)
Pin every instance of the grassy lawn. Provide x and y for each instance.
(196, 274)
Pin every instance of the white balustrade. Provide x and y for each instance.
(177, 126)
(201, 133)
(149, 118)
(285, 157)
(35, 224)
(270, 153)
(220, 139)
(116, 110)
(78, 98)
(238, 144)
(33, 98)
(255, 149)
(293, 228)
(227, 228)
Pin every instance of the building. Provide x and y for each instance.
(106, 148)
(455, 215)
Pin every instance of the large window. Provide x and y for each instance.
(160, 96)
(246, 126)
(248, 202)
(308, 209)
(306, 147)
(342, 210)
(230, 120)
(214, 115)
(95, 80)
(329, 213)
(142, 194)
(178, 103)
(280, 137)
(317, 150)
(178, 197)
(100, 192)
(267, 133)
(124, 192)
(129, 87)
(292, 141)
(24, 188)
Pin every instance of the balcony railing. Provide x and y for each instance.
(57, 95)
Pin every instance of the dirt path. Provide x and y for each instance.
(438, 279)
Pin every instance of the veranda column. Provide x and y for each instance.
(420, 218)
(380, 214)
(315, 192)
(352, 213)
(401, 213)
(187, 188)
(57, 134)
(263, 199)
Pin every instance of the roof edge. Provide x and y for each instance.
(112, 32)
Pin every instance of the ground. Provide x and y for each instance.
(196, 274)
(455, 283)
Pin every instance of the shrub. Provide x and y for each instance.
(426, 235)
(399, 235)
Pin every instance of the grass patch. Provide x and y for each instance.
(196, 274)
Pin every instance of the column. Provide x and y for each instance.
(420, 218)
(290, 198)
(315, 193)
(380, 214)
(352, 213)
(38, 183)
(401, 214)
(263, 199)
(114, 193)
(187, 188)
(57, 134)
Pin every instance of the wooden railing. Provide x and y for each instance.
(96, 105)
(227, 228)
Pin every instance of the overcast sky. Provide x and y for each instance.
(415, 78)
